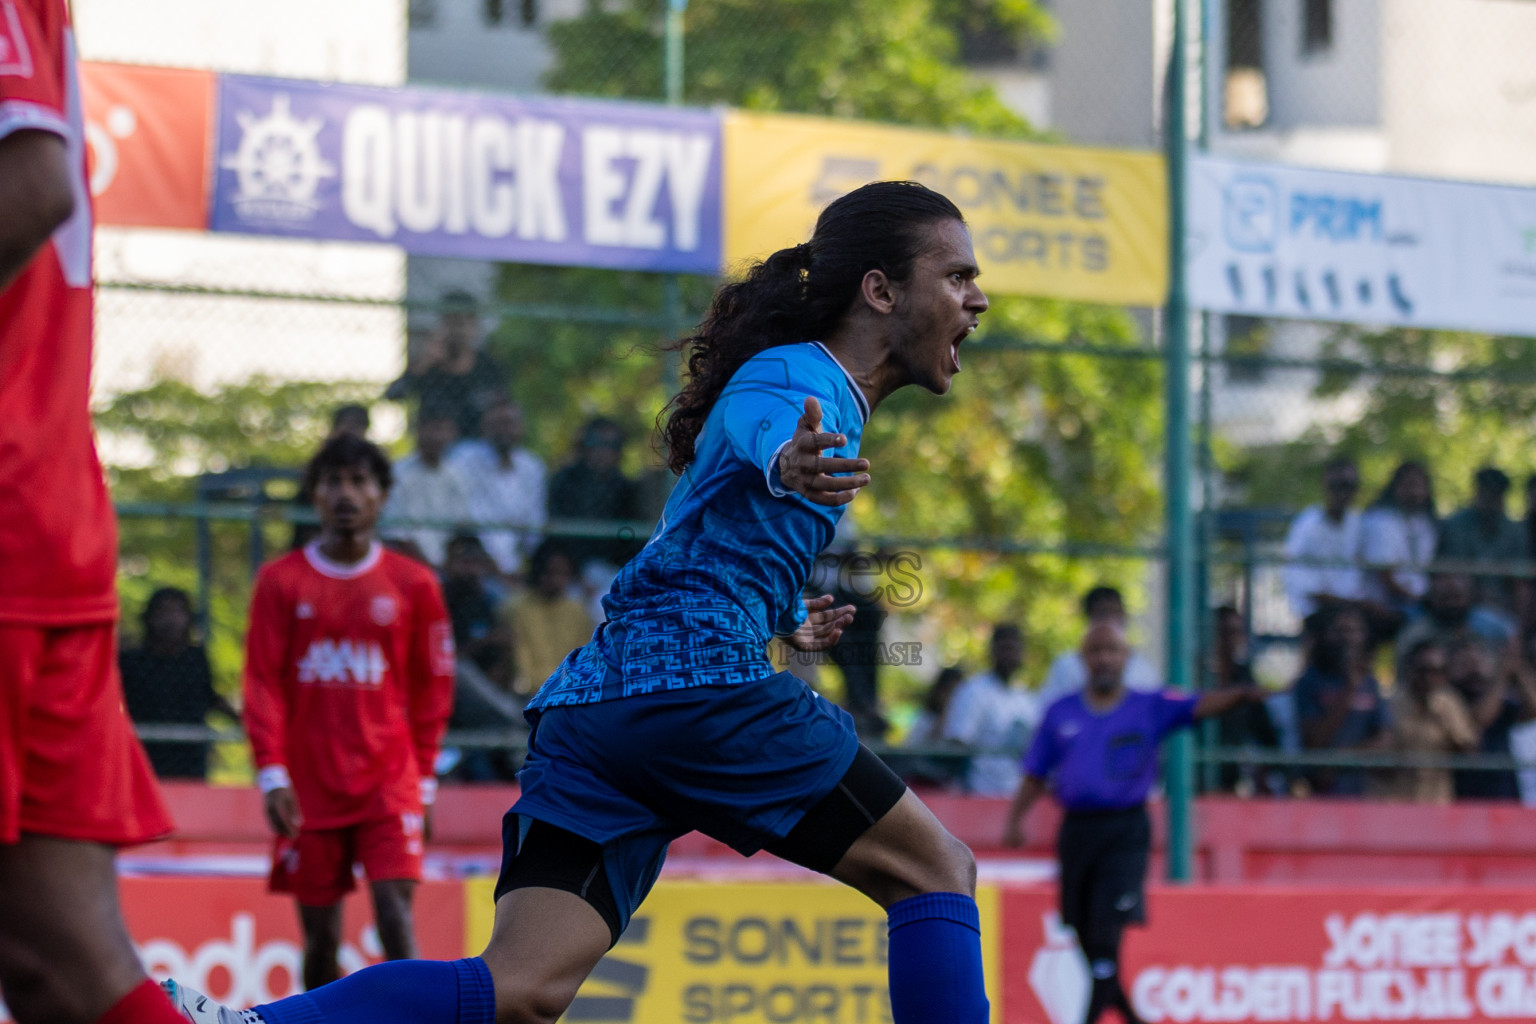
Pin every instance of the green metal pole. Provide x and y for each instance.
(674, 52)
(672, 296)
(1179, 770)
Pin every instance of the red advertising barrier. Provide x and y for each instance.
(1229, 955)
(1211, 954)
(148, 131)
(231, 939)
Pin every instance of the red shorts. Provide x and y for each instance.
(317, 866)
(70, 764)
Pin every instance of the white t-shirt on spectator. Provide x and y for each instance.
(1314, 536)
(1069, 674)
(503, 495)
(421, 492)
(988, 714)
(1390, 538)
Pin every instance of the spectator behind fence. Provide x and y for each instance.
(1249, 725)
(473, 596)
(594, 487)
(845, 572)
(1482, 533)
(931, 766)
(350, 419)
(546, 622)
(451, 374)
(1398, 538)
(995, 716)
(1499, 695)
(1338, 701)
(927, 728)
(167, 681)
(1447, 617)
(428, 486)
(1429, 717)
(1329, 532)
(1529, 623)
(506, 485)
(1069, 672)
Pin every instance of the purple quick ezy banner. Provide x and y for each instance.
(438, 173)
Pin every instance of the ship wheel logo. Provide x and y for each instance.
(278, 164)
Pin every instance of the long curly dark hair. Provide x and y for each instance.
(798, 294)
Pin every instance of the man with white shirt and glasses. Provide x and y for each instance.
(430, 496)
(1326, 533)
(994, 715)
(506, 484)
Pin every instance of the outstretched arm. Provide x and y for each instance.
(1213, 703)
(804, 470)
(823, 625)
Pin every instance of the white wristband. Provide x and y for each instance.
(428, 792)
(273, 776)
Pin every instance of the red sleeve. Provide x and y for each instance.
(266, 682)
(430, 687)
(31, 62)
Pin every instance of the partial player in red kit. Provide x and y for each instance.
(74, 781)
(348, 685)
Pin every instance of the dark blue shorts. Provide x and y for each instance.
(741, 764)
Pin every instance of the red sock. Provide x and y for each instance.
(145, 1004)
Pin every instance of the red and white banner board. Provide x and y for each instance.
(148, 131)
(1216, 954)
(1211, 954)
(233, 940)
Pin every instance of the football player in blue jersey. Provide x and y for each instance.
(672, 719)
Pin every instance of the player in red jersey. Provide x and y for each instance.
(74, 781)
(348, 684)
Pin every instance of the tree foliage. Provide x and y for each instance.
(885, 60)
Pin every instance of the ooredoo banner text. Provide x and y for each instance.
(147, 131)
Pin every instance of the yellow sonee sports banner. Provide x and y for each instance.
(1057, 221)
(745, 953)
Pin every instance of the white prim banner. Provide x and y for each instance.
(1268, 240)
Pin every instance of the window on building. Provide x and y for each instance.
(1245, 103)
(1316, 26)
(983, 42)
(502, 12)
(421, 13)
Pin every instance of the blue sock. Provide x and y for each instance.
(425, 991)
(935, 960)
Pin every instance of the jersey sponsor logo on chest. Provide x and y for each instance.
(343, 663)
(383, 609)
(15, 58)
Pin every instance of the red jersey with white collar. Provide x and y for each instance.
(58, 537)
(348, 681)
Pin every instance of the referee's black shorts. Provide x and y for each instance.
(1103, 857)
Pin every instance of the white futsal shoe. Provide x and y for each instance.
(199, 1009)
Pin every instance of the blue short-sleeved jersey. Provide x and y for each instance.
(1105, 761)
(725, 568)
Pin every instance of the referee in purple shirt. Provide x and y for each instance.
(1098, 750)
